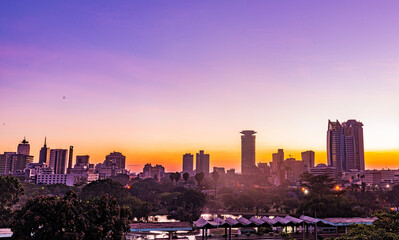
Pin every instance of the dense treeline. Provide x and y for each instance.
(99, 210)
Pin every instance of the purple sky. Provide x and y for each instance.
(156, 79)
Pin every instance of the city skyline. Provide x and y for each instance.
(177, 163)
(155, 81)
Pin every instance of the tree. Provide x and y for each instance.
(172, 177)
(190, 205)
(186, 176)
(325, 201)
(177, 176)
(199, 177)
(215, 176)
(70, 218)
(10, 191)
(100, 188)
(368, 232)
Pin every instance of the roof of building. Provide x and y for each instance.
(5, 232)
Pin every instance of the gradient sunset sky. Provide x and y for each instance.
(157, 79)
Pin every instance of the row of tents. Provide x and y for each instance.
(278, 222)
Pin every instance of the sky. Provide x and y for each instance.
(157, 79)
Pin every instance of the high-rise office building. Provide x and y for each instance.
(44, 153)
(57, 160)
(308, 160)
(202, 163)
(11, 162)
(6, 163)
(345, 147)
(115, 158)
(247, 151)
(354, 145)
(188, 163)
(20, 162)
(278, 166)
(24, 147)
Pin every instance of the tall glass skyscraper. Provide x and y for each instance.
(345, 147)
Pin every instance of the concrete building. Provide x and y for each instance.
(44, 154)
(322, 169)
(219, 170)
(278, 169)
(156, 172)
(115, 158)
(294, 169)
(23, 147)
(82, 160)
(345, 147)
(20, 162)
(308, 160)
(372, 177)
(247, 151)
(57, 160)
(264, 168)
(6, 163)
(70, 158)
(67, 179)
(12, 162)
(188, 163)
(202, 163)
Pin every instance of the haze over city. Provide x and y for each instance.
(155, 81)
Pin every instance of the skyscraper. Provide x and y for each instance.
(354, 145)
(188, 163)
(247, 151)
(278, 166)
(58, 160)
(44, 153)
(308, 160)
(24, 147)
(202, 163)
(345, 147)
(335, 145)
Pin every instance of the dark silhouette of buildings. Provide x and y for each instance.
(247, 151)
(202, 163)
(345, 147)
(188, 163)
(44, 154)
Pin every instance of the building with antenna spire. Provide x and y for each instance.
(44, 154)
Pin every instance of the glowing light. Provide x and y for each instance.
(337, 188)
(306, 191)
